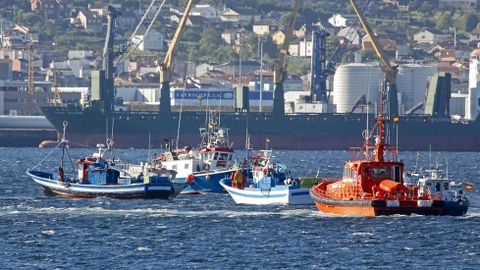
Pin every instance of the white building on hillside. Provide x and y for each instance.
(153, 41)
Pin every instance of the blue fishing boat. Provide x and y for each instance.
(206, 165)
(99, 176)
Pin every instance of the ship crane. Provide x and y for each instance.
(389, 71)
(279, 69)
(142, 30)
(167, 65)
(31, 65)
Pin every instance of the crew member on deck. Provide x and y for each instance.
(60, 174)
(238, 180)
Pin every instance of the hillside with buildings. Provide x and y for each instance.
(49, 48)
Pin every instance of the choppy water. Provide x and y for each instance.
(211, 232)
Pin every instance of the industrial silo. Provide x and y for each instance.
(412, 83)
(351, 81)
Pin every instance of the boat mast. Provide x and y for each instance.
(389, 71)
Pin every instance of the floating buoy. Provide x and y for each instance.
(190, 178)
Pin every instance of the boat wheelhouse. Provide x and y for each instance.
(100, 176)
(373, 185)
(211, 161)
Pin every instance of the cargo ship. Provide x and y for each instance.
(91, 123)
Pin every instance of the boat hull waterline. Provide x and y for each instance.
(132, 191)
(207, 182)
(386, 207)
(280, 194)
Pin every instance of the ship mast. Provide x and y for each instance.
(388, 91)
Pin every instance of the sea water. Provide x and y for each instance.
(211, 232)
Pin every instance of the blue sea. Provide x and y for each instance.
(211, 232)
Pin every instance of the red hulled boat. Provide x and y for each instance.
(373, 185)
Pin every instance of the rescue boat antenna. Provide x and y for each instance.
(416, 161)
(379, 140)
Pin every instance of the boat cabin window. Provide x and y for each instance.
(396, 174)
(347, 173)
(380, 173)
(445, 185)
(230, 157)
(186, 166)
(216, 156)
(223, 156)
(438, 187)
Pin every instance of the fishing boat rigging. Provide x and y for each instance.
(97, 175)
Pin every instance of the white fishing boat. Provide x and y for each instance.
(265, 186)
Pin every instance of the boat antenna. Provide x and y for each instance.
(65, 148)
(106, 129)
(149, 148)
(430, 156)
(416, 161)
(446, 165)
(207, 107)
(110, 144)
(379, 141)
(113, 125)
(396, 135)
(219, 111)
(62, 142)
(368, 97)
(247, 136)
(181, 110)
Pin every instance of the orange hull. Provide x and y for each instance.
(368, 211)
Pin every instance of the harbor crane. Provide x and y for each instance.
(321, 67)
(31, 65)
(389, 71)
(279, 69)
(167, 65)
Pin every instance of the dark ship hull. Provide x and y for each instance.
(87, 127)
(91, 125)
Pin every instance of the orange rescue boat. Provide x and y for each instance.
(373, 185)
